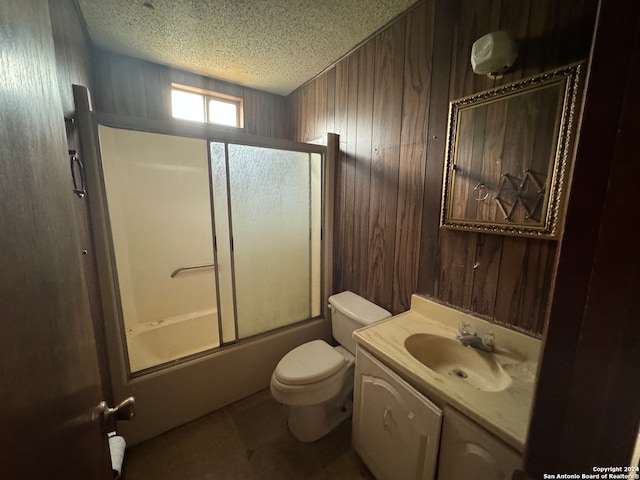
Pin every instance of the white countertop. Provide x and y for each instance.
(505, 413)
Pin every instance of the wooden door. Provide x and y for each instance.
(49, 377)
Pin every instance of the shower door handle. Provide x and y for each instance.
(123, 412)
(75, 162)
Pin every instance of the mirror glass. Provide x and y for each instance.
(507, 155)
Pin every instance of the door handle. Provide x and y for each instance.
(122, 412)
(74, 161)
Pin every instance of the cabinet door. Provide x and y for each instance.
(396, 430)
(468, 452)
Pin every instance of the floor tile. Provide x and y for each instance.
(248, 440)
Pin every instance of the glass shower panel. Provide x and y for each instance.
(157, 189)
(275, 214)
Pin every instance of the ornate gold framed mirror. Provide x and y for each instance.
(508, 153)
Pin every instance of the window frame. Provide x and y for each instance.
(208, 95)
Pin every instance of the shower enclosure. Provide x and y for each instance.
(214, 241)
(210, 247)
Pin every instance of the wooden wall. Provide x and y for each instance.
(388, 101)
(134, 87)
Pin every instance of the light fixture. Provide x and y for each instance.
(493, 53)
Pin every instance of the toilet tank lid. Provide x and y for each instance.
(361, 310)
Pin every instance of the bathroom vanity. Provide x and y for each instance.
(427, 407)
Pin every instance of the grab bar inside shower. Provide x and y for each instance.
(191, 267)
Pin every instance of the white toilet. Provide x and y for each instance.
(316, 379)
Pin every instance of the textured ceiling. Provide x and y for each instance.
(271, 45)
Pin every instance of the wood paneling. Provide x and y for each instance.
(134, 87)
(389, 102)
(385, 156)
(361, 263)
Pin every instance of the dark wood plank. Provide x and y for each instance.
(387, 113)
(157, 91)
(457, 258)
(306, 124)
(281, 118)
(514, 18)
(430, 258)
(413, 152)
(524, 284)
(320, 123)
(331, 101)
(257, 118)
(128, 86)
(475, 19)
(364, 127)
(103, 94)
(486, 272)
(296, 113)
(350, 170)
(341, 78)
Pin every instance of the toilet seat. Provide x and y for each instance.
(309, 363)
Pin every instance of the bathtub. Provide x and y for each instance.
(154, 343)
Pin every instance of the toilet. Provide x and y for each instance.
(315, 379)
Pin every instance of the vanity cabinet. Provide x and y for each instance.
(400, 434)
(396, 430)
(469, 451)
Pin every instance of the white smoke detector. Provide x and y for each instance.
(493, 53)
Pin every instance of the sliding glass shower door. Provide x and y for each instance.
(272, 199)
(213, 241)
(157, 190)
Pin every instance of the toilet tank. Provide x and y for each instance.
(350, 312)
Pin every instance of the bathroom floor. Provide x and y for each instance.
(247, 440)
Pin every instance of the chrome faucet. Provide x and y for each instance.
(485, 343)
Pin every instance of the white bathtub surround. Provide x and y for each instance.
(207, 383)
(161, 341)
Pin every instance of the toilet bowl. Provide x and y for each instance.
(316, 379)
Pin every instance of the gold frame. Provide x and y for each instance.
(507, 156)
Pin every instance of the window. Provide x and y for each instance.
(199, 105)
